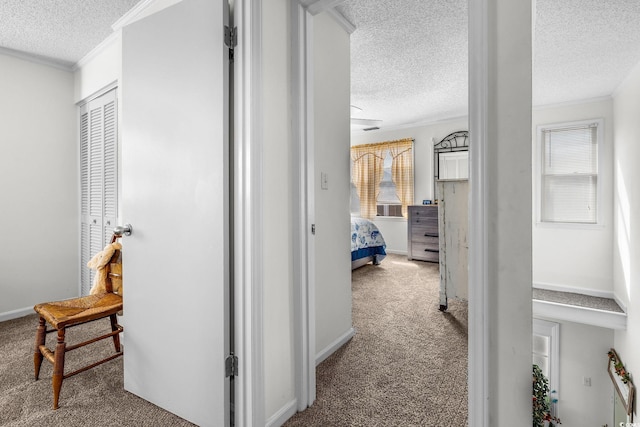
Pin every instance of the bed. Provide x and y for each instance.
(367, 243)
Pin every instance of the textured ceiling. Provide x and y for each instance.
(62, 31)
(409, 58)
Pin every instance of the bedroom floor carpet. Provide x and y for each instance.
(95, 398)
(407, 363)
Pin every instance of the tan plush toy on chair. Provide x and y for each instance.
(98, 263)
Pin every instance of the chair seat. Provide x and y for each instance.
(60, 314)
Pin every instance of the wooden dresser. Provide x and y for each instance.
(423, 241)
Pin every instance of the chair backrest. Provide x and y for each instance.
(114, 271)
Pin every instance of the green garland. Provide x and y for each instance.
(619, 367)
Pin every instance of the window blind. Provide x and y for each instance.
(570, 174)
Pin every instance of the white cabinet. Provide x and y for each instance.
(453, 224)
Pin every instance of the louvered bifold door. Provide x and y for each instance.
(98, 174)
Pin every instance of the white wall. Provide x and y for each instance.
(394, 230)
(626, 205)
(578, 256)
(583, 353)
(102, 68)
(277, 196)
(39, 183)
(331, 95)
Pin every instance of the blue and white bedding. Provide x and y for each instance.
(366, 241)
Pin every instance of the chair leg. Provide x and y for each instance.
(41, 334)
(58, 367)
(114, 327)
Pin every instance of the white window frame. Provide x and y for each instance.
(551, 330)
(386, 205)
(538, 167)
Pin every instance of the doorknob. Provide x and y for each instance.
(126, 229)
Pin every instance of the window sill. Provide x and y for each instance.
(390, 218)
(569, 225)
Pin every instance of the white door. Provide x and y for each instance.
(175, 195)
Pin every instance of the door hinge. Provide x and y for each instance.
(231, 366)
(313, 229)
(230, 36)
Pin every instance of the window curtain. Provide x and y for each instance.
(368, 164)
(402, 171)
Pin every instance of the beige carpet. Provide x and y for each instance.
(95, 398)
(406, 365)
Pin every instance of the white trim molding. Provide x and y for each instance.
(15, 314)
(303, 204)
(331, 348)
(35, 59)
(584, 315)
(248, 244)
(280, 417)
(478, 370)
(574, 290)
(104, 44)
(342, 20)
(551, 330)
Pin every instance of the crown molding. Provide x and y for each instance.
(96, 50)
(320, 6)
(341, 20)
(574, 102)
(132, 14)
(35, 59)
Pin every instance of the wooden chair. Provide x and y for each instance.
(61, 315)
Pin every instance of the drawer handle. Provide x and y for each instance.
(430, 235)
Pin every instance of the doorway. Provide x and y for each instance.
(485, 201)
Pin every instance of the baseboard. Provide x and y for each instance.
(14, 314)
(331, 348)
(574, 290)
(281, 417)
(622, 305)
(396, 252)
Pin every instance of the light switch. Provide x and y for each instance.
(324, 181)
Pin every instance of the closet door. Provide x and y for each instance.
(98, 178)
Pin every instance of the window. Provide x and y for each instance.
(382, 179)
(569, 169)
(388, 202)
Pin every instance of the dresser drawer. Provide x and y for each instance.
(424, 229)
(426, 211)
(421, 252)
(426, 242)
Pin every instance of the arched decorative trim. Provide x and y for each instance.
(456, 141)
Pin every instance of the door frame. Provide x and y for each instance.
(304, 343)
(247, 213)
(480, 36)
